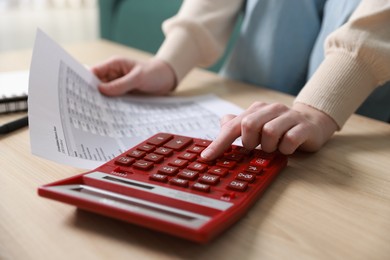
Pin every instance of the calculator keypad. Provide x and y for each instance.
(174, 161)
(163, 183)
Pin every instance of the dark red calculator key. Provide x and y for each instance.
(209, 179)
(242, 150)
(196, 166)
(203, 143)
(226, 163)
(238, 185)
(158, 177)
(124, 161)
(207, 162)
(164, 151)
(220, 171)
(156, 158)
(179, 143)
(188, 174)
(201, 187)
(159, 139)
(178, 163)
(188, 156)
(168, 170)
(261, 162)
(179, 182)
(249, 177)
(264, 158)
(196, 149)
(262, 154)
(146, 148)
(234, 156)
(143, 165)
(254, 169)
(136, 154)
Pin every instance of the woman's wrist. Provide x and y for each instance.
(326, 124)
(166, 73)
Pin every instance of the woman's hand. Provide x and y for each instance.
(120, 75)
(274, 127)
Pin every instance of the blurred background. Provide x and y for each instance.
(134, 23)
(66, 21)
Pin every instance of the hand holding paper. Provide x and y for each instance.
(72, 123)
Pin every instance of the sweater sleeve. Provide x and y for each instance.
(198, 34)
(357, 60)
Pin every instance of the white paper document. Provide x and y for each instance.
(72, 123)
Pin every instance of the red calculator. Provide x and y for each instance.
(163, 184)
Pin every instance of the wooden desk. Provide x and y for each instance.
(334, 204)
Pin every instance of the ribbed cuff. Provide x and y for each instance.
(338, 87)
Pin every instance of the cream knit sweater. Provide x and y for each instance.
(357, 55)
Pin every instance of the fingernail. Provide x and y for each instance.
(206, 154)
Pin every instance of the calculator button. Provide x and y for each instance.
(188, 156)
(238, 185)
(262, 162)
(179, 182)
(164, 151)
(146, 148)
(209, 179)
(202, 142)
(178, 163)
(227, 164)
(158, 177)
(220, 171)
(124, 161)
(143, 165)
(246, 177)
(242, 150)
(195, 166)
(234, 157)
(254, 169)
(156, 158)
(159, 139)
(178, 143)
(188, 174)
(262, 154)
(201, 187)
(201, 160)
(136, 154)
(168, 170)
(196, 149)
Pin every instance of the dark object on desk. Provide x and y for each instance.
(14, 125)
(13, 104)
